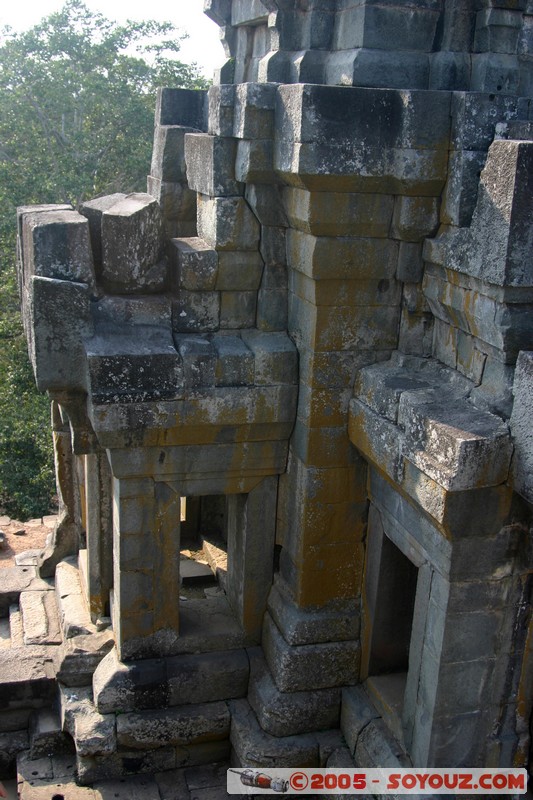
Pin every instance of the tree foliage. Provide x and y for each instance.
(77, 95)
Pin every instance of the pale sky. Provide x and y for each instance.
(203, 45)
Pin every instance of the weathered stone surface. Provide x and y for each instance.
(220, 109)
(254, 747)
(275, 357)
(227, 223)
(265, 200)
(328, 142)
(327, 257)
(254, 161)
(414, 218)
(181, 107)
(207, 677)
(339, 214)
(168, 155)
(194, 265)
(39, 617)
(80, 656)
(254, 111)
(75, 617)
(176, 201)
(289, 713)
(313, 666)
(196, 312)
(520, 423)
(61, 307)
(235, 363)
(237, 309)
(56, 244)
(132, 244)
(192, 724)
(139, 363)
(338, 622)
(370, 25)
(239, 271)
(211, 165)
(93, 210)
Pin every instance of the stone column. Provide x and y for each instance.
(251, 522)
(99, 527)
(146, 542)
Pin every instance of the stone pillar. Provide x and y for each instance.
(146, 542)
(251, 523)
(99, 527)
(343, 313)
(65, 539)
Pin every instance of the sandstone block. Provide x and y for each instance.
(199, 357)
(255, 161)
(522, 469)
(415, 218)
(246, 12)
(339, 214)
(266, 202)
(239, 271)
(449, 70)
(176, 200)
(386, 118)
(211, 165)
(289, 713)
(497, 30)
(254, 747)
(60, 318)
(132, 244)
(93, 210)
(254, 111)
(306, 667)
(219, 11)
(273, 245)
(192, 724)
(475, 115)
(235, 362)
(410, 265)
(341, 258)
(372, 26)
(272, 310)
(276, 358)
(181, 107)
(196, 311)
(221, 101)
(140, 363)
(194, 265)
(207, 677)
(168, 154)
(227, 223)
(459, 200)
(365, 67)
(56, 244)
(237, 309)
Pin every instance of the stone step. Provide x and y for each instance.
(15, 626)
(27, 678)
(40, 621)
(46, 735)
(45, 778)
(192, 678)
(74, 615)
(14, 581)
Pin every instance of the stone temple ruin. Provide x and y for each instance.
(309, 347)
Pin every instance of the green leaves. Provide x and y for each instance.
(77, 97)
